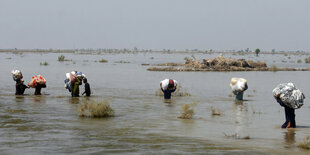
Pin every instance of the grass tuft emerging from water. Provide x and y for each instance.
(187, 111)
(305, 144)
(95, 109)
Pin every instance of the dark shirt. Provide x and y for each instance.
(20, 88)
(87, 89)
(167, 93)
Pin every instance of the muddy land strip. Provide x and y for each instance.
(219, 64)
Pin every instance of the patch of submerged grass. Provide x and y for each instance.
(274, 68)
(95, 109)
(103, 61)
(236, 136)
(307, 60)
(187, 111)
(305, 144)
(299, 61)
(63, 58)
(14, 111)
(215, 111)
(122, 61)
(44, 63)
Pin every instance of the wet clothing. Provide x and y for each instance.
(38, 89)
(87, 89)
(289, 115)
(20, 88)
(239, 96)
(167, 93)
(75, 88)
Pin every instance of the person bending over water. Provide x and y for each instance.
(20, 87)
(172, 85)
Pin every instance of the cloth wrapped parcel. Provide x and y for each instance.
(238, 85)
(17, 75)
(37, 80)
(165, 83)
(289, 95)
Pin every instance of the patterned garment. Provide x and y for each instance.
(289, 95)
(37, 80)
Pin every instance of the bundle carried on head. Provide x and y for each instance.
(37, 80)
(71, 78)
(168, 83)
(289, 95)
(17, 75)
(238, 85)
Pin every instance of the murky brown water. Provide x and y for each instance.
(145, 123)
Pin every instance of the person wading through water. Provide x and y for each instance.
(172, 85)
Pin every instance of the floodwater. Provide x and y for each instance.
(144, 123)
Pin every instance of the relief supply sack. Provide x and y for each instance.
(165, 83)
(289, 95)
(17, 75)
(37, 80)
(238, 85)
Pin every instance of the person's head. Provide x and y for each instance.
(85, 80)
(171, 84)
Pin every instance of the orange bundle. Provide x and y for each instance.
(37, 80)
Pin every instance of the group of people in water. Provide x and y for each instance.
(167, 86)
(41, 83)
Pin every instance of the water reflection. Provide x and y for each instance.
(241, 115)
(74, 100)
(19, 98)
(289, 137)
(38, 99)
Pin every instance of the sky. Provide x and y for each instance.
(155, 24)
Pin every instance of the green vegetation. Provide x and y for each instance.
(103, 61)
(299, 61)
(122, 61)
(257, 51)
(44, 63)
(62, 58)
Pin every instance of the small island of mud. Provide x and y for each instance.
(219, 64)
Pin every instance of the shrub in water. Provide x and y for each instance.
(95, 109)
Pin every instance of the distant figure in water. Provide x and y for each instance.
(168, 86)
(20, 87)
(75, 88)
(289, 115)
(38, 89)
(87, 88)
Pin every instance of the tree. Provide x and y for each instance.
(257, 51)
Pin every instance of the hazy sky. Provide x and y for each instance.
(156, 24)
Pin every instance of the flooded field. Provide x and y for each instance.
(144, 123)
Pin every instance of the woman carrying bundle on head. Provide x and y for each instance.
(37, 82)
(18, 78)
(238, 86)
